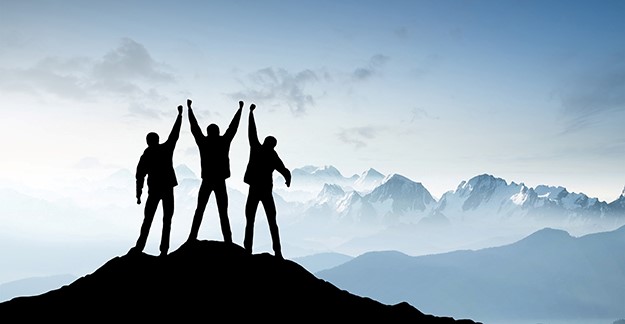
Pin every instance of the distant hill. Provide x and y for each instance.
(322, 261)
(202, 281)
(33, 286)
(548, 274)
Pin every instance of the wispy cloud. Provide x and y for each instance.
(590, 96)
(359, 136)
(373, 67)
(277, 84)
(420, 114)
(299, 90)
(136, 109)
(128, 70)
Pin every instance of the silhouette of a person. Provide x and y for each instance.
(215, 163)
(156, 163)
(263, 161)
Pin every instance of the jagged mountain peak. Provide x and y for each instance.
(551, 192)
(331, 190)
(397, 178)
(405, 193)
(327, 170)
(484, 180)
(371, 172)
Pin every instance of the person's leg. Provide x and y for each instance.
(270, 211)
(168, 214)
(202, 200)
(148, 216)
(251, 206)
(221, 194)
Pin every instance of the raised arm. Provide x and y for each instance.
(234, 124)
(175, 131)
(251, 133)
(195, 127)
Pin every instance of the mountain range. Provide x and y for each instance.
(322, 211)
(396, 197)
(546, 275)
(207, 280)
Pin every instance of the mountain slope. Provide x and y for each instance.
(207, 280)
(33, 286)
(548, 274)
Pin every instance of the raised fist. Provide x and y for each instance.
(180, 109)
(240, 104)
(252, 107)
(189, 103)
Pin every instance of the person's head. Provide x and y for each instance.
(270, 142)
(152, 139)
(212, 130)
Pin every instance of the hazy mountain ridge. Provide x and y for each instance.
(33, 286)
(207, 278)
(548, 274)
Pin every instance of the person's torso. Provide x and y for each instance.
(261, 166)
(159, 166)
(214, 156)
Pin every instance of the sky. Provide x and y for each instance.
(438, 91)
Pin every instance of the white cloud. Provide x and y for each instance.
(358, 136)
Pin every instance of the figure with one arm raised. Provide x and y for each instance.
(263, 161)
(215, 163)
(156, 163)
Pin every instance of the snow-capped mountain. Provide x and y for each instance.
(330, 194)
(396, 198)
(317, 176)
(483, 198)
(353, 208)
(309, 180)
(368, 180)
(399, 197)
(488, 197)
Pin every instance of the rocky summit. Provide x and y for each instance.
(207, 281)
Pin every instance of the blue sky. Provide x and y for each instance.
(438, 91)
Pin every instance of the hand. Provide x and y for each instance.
(288, 183)
(180, 110)
(240, 104)
(252, 107)
(189, 103)
(138, 201)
